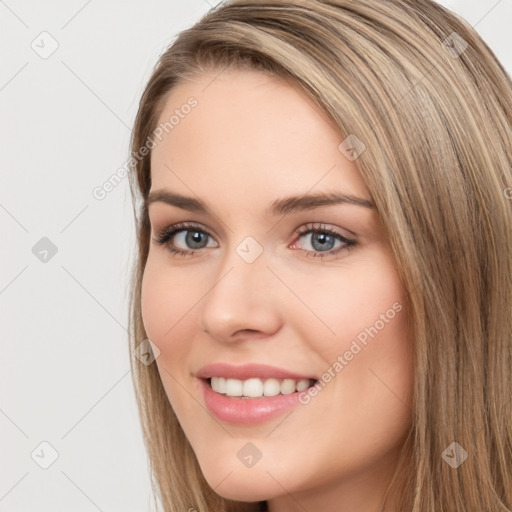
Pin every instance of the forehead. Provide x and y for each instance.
(251, 133)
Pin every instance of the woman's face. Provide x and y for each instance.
(304, 287)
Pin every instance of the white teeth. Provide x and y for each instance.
(288, 386)
(233, 387)
(252, 388)
(219, 384)
(303, 384)
(271, 387)
(255, 388)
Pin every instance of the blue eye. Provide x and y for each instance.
(324, 241)
(320, 241)
(191, 235)
(192, 238)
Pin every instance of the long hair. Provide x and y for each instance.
(433, 107)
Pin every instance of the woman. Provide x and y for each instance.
(324, 261)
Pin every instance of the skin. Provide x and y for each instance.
(251, 140)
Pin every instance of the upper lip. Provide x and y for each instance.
(247, 371)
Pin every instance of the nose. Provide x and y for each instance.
(242, 300)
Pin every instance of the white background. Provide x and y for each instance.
(65, 128)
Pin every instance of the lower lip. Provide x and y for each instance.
(247, 411)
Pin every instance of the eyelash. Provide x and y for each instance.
(165, 235)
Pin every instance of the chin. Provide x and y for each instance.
(248, 490)
(240, 483)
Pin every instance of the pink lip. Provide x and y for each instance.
(247, 371)
(246, 411)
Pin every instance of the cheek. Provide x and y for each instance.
(361, 334)
(166, 298)
(350, 304)
(166, 305)
(155, 298)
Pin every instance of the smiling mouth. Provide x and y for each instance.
(258, 388)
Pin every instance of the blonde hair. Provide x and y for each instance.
(436, 122)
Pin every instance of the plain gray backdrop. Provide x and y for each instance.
(71, 77)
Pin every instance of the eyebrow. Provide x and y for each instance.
(282, 206)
